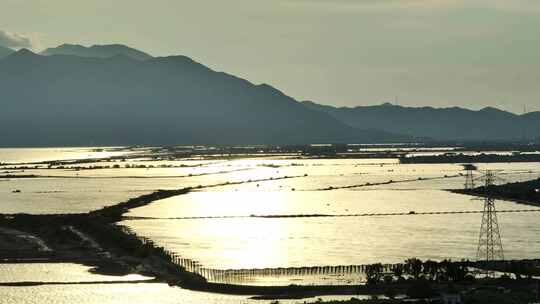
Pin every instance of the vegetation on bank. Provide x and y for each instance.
(453, 158)
(415, 269)
(448, 271)
(527, 192)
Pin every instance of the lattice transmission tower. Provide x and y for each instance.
(469, 177)
(489, 242)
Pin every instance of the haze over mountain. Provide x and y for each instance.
(73, 100)
(97, 51)
(488, 124)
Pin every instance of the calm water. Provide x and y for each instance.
(135, 293)
(62, 272)
(237, 243)
(27, 155)
(247, 242)
(128, 293)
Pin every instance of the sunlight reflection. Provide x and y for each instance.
(261, 242)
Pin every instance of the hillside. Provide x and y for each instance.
(488, 124)
(71, 100)
(4, 51)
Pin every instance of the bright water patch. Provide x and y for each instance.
(338, 202)
(26, 155)
(101, 293)
(87, 190)
(129, 293)
(57, 272)
(238, 243)
(79, 195)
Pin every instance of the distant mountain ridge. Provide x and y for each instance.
(97, 51)
(451, 124)
(77, 100)
(114, 94)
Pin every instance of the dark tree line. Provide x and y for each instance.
(416, 269)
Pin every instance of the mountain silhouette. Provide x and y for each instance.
(73, 100)
(4, 51)
(97, 51)
(446, 124)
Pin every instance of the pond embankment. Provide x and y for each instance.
(527, 193)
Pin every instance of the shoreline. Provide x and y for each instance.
(525, 193)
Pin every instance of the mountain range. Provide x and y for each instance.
(444, 124)
(118, 100)
(97, 51)
(117, 95)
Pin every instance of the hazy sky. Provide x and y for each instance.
(470, 53)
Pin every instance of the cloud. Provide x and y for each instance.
(13, 40)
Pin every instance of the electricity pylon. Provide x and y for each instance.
(469, 178)
(489, 242)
